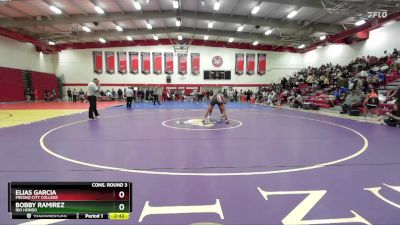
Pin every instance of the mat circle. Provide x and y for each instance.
(139, 171)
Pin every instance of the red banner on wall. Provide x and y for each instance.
(169, 62)
(157, 62)
(239, 63)
(110, 62)
(182, 63)
(122, 67)
(98, 62)
(250, 63)
(145, 56)
(261, 63)
(134, 62)
(195, 63)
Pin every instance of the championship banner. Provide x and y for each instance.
(250, 61)
(110, 62)
(134, 62)
(98, 62)
(145, 56)
(239, 63)
(261, 63)
(122, 67)
(157, 62)
(169, 62)
(182, 63)
(195, 63)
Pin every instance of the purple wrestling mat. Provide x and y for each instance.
(268, 166)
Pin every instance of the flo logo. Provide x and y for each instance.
(196, 123)
(199, 123)
(378, 14)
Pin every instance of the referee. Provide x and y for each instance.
(93, 89)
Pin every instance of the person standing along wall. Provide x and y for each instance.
(93, 90)
(69, 93)
(129, 97)
(74, 95)
(156, 96)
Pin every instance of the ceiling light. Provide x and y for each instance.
(210, 25)
(178, 22)
(149, 26)
(203, 3)
(155, 37)
(87, 29)
(217, 4)
(137, 5)
(240, 28)
(55, 9)
(99, 10)
(52, 43)
(322, 38)
(255, 10)
(129, 38)
(268, 32)
(180, 37)
(230, 40)
(206, 37)
(360, 22)
(175, 4)
(255, 43)
(102, 40)
(302, 46)
(119, 28)
(292, 14)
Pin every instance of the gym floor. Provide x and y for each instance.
(268, 166)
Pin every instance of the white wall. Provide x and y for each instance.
(77, 66)
(19, 55)
(381, 39)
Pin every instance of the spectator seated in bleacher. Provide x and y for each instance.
(371, 101)
(352, 101)
(48, 96)
(271, 98)
(393, 118)
(297, 102)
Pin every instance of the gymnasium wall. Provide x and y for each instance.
(19, 55)
(77, 66)
(381, 39)
(11, 85)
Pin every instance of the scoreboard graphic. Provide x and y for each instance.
(70, 200)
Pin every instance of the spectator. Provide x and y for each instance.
(393, 118)
(120, 97)
(129, 97)
(352, 102)
(113, 94)
(27, 95)
(69, 94)
(54, 94)
(81, 95)
(156, 96)
(74, 95)
(310, 80)
(371, 101)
